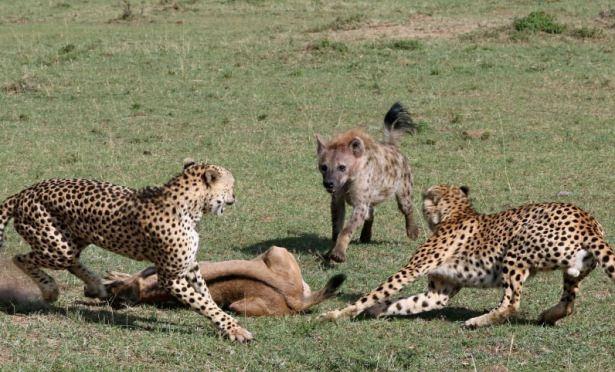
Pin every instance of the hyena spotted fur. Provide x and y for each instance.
(362, 172)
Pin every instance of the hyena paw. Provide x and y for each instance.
(413, 232)
(337, 256)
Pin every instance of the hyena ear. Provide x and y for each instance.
(357, 146)
(188, 162)
(320, 144)
(465, 189)
(210, 176)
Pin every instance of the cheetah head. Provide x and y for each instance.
(211, 187)
(440, 202)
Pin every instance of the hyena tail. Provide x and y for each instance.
(397, 122)
(326, 292)
(6, 212)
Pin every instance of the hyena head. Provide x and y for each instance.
(339, 159)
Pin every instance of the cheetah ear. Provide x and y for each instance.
(465, 189)
(320, 144)
(188, 162)
(357, 146)
(210, 176)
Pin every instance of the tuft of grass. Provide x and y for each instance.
(403, 44)
(587, 32)
(26, 84)
(340, 23)
(539, 21)
(327, 44)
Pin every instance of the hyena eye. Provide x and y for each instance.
(341, 168)
(323, 168)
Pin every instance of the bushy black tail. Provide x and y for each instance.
(326, 292)
(6, 212)
(397, 122)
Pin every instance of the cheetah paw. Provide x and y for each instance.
(240, 335)
(345, 313)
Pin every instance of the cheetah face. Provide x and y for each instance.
(440, 201)
(220, 191)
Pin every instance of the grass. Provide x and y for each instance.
(237, 83)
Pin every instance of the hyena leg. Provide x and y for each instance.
(438, 293)
(565, 306)
(338, 211)
(184, 290)
(417, 266)
(513, 278)
(359, 213)
(404, 203)
(366, 232)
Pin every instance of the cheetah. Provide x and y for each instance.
(468, 249)
(364, 173)
(59, 218)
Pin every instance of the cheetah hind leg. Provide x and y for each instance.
(46, 284)
(438, 293)
(565, 306)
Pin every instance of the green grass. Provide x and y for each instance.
(86, 92)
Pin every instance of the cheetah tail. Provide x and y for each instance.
(604, 254)
(326, 292)
(6, 212)
(397, 122)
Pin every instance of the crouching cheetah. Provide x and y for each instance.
(468, 249)
(59, 218)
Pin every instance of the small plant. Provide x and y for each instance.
(539, 22)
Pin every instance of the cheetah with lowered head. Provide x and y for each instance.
(59, 218)
(468, 249)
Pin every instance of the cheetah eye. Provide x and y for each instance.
(341, 168)
(323, 168)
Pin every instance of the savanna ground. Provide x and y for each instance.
(96, 89)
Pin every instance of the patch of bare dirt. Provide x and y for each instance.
(419, 26)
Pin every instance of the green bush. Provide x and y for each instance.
(539, 22)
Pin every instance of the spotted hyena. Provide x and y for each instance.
(362, 172)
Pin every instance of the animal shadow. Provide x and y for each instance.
(300, 243)
(93, 312)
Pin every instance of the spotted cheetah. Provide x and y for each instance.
(59, 218)
(468, 249)
(362, 172)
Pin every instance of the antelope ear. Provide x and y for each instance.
(188, 162)
(465, 189)
(320, 144)
(210, 176)
(357, 146)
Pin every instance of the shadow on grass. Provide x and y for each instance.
(302, 243)
(86, 311)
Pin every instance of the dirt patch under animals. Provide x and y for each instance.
(419, 26)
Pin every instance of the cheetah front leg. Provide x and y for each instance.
(191, 290)
(438, 293)
(338, 252)
(419, 264)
